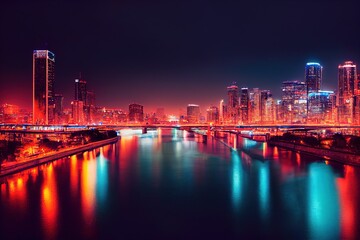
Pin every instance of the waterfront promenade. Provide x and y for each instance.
(13, 167)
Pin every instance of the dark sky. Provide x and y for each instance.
(171, 53)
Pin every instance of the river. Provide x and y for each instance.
(167, 184)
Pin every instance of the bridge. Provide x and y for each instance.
(260, 130)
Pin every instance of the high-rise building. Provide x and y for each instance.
(90, 108)
(320, 107)
(244, 105)
(80, 90)
(78, 112)
(254, 113)
(221, 111)
(59, 107)
(43, 86)
(212, 114)
(279, 111)
(346, 91)
(136, 113)
(267, 107)
(313, 77)
(193, 113)
(294, 100)
(233, 103)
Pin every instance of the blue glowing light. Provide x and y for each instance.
(313, 63)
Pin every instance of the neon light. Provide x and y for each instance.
(313, 63)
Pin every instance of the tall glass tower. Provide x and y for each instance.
(346, 91)
(43, 86)
(80, 90)
(313, 76)
(233, 103)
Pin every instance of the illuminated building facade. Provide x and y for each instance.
(347, 80)
(136, 113)
(244, 105)
(294, 101)
(254, 97)
(212, 114)
(233, 104)
(267, 107)
(193, 113)
(80, 90)
(10, 113)
(43, 86)
(320, 107)
(59, 107)
(80, 95)
(313, 76)
(279, 111)
(78, 112)
(221, 111)
(90, 108)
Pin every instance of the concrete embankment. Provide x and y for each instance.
(19, 166)
(328, 154)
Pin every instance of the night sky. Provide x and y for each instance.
(171, 53)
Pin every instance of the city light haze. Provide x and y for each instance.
(172, 54)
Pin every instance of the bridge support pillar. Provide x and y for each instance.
(267, 137)
(204, 138)
(236, 141)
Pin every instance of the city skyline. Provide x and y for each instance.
(301, 102)
(152, 107)
(129, 54)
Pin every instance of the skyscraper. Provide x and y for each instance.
(212, 114)
(320, 107)
(244, 105)
(346, 91)
(254, 111)
(313, 76)
(136, 113)
(43, 86)
(80, 90)
(90, 108)
(59, 107)
(233, 103)
(267, 107)
(78, 116)
(294, 100)
(193, 113)
(221, 111)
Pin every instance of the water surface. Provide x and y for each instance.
(169, 185)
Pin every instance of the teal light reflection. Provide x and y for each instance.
(174, 133)
(237, 180)
(264, 188)
(249, 143)
(323, 203)
(102, 179)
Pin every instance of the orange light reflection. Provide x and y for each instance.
(88, 181)
(49, 202)
(74, 176)
(348, 192)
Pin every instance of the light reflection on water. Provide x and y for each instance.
(49, 203)
(264, 188)
(237, 180)
(169, 177)
(323, 203)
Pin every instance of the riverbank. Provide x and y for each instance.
(328, 154)
(10, 168)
